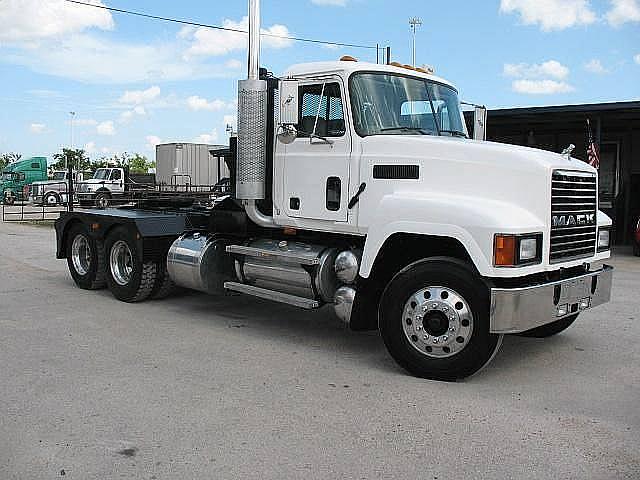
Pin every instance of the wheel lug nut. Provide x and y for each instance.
(418, 327)
(445, 309)
(435, 340)
(444, 338)
(434, 305)
(426, 337)
(452, 329)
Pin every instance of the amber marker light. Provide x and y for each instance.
(504, 251)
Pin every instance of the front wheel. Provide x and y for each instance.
(129, 278)
(435, 320)
(51, 199)
(550, 329)
(9, 198)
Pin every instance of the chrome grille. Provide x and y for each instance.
(573, 215)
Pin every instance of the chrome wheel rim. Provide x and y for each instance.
(437, 321)
(81, 254)
(51, 200)
(121, 263)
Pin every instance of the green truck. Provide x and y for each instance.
(17, 176)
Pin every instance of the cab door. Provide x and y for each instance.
(316, 163)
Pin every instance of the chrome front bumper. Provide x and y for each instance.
(515, 310)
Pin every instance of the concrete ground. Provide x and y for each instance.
(232, 387)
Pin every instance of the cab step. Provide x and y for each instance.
(280, 297)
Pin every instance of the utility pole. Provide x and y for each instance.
(72, 115)
(414, 22)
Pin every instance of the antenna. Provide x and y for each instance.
(414, 22)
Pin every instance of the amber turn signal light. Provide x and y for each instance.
(504, 251)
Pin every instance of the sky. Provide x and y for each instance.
(134, 82)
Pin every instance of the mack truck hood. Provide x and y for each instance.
(458, 169)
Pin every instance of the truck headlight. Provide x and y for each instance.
(604, 239)
(517, 250)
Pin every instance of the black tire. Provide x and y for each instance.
(142, 279)
(550, 329)
(102, 200)
(55, 196)
(93, 277)
(164, 286)
(452, 274)
(8, 198)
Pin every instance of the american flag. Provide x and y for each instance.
(593, 151)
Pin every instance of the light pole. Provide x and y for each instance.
(414, 22)
(72, 114)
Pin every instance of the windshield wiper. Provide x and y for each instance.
(406, 129)
(456, 133)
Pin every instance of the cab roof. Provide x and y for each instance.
(347, 68)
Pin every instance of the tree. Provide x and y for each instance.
(77, 158)
(7, 158)
(139, 164)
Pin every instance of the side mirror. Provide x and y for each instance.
(289, 114)
(480, 123)
(287, 134)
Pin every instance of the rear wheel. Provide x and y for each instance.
(164, 285)
(550, 329)
(102, 200)
(129, 278)
(435, 320)
(85, 258)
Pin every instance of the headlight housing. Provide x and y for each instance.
(604, 239)
(517, 250)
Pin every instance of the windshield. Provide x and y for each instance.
(8, 176)
(101, 174)
(58, 175)
(388, 104)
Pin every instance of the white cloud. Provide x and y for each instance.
(335, 3)
(623, 11)
(37, 127)
(105, 61)
(106, 128)
(90, 148)
(209, 42)
(28, 22)
(541, 87)
(637, 59)
(152, 141)
(207, 137)
(138, 97)
(551, 68)
(551, 14)
(127, 115)
(198, 103)
(233, 64)
(595, 66)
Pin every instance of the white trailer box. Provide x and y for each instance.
(189, 163)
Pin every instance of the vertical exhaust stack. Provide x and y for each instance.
(252, 121)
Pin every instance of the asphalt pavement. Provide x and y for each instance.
(196, 387)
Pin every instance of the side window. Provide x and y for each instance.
(35, 165)
(115, 174)
(21, 176)
(326, 105)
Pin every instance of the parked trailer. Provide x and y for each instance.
(182, 164)
(369, 196)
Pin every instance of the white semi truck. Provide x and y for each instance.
(356, 185)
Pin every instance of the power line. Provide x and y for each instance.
(217, 27)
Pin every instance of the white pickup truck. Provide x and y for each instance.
(113, 185)
(55, 191)
(357, 186)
